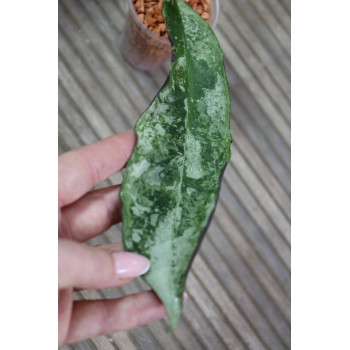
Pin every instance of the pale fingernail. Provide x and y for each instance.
(130, 265)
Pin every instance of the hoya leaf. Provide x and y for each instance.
(171, 183)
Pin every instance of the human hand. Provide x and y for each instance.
(83, 215)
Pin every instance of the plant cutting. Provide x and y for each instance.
(171, 183)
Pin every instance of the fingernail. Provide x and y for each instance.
(130, 265)
(184, 297)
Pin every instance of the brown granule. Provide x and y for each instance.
(139, 46)
(150, 13)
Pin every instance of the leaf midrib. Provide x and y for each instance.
(189, 87)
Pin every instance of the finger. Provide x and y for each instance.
(93, 318)
(86, 267)
(79, 170)
(91, 215)
(65, 305)
(112, 247)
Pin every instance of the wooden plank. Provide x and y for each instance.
(104, 343)
(239, 284)
(87, 344)
(267, 33)
(260, 193)
(245, 34)
(262, 77)
(247, 20)
(251, 231)
(280, 12)
(287, 5)
(213, 313)
(248, 307)
(278, 239)
(74, 117)
(111, 59)
(260, 144)
(202, 327)
(95, 78)
(264, 102)
(228, 307)
(247, 259)
(123, 341)
(91, 113)
(67, 138)
(244, 102)
(253, 301)
(272, 23)
(260, 169)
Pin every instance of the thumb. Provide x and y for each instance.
(86, 267)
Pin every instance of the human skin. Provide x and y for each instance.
(82, 215)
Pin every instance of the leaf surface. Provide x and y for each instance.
(171, 183)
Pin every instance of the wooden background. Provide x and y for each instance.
(239, 284)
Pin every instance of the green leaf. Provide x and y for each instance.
(171, 183)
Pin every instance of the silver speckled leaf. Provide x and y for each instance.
(171, 183)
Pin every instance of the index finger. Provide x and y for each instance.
(81, 169)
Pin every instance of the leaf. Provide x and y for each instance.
(171, 183)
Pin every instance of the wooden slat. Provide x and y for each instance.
(266, 83)
(247, 263)
(251, 231)
(280, 12)
(105, 343)
(263, 100)
(235, 318)
(212, 311)
(243, 128)
(272, 23)
(247, 295)
(278, 239)
(267, 61)
(91, 112)
(239, 284)
(261, 195)
(257, 165)
(255, 114)
(74, 117)
(242, 15)
(123, 341)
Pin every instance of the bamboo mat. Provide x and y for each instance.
(239, 284)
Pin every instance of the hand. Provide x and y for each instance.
(83, 215)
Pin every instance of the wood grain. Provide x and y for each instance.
(239, 284)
